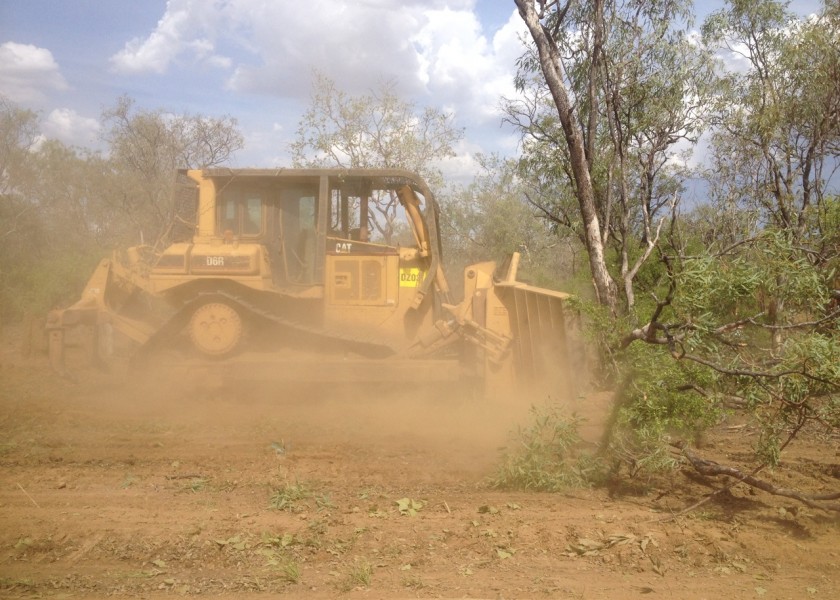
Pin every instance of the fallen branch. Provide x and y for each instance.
(710, 468)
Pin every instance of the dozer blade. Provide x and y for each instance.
(98, 309)
(521, 332)
(540, 344)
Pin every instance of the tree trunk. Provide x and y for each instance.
(550, 63)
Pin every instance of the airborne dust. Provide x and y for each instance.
(180, 484)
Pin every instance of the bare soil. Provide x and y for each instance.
(161, 487)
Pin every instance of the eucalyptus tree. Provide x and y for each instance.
(50, 203)
(146, 147)
(776, 148)
(751, 314)
(375, 130)
(18, 135)
(19, 222)
(744, 305)
(777, 143)
(610, 90)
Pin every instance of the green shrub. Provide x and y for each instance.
(546, 455)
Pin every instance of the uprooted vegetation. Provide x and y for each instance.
(108, 493)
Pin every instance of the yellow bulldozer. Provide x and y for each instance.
(287, 274)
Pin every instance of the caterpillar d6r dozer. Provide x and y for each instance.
(321, 275)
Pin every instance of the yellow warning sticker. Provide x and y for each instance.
(411, 276)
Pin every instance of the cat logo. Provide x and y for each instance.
(343, 248)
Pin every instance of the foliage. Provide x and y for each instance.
(62, 208)
(290, 571)
(48, 217)
(18, 132)
(759, 306)
(620, 85)
(359, 575)
(40, 283)
(146, 148)
(289, 497)
(377, 130)
(490, 218)
(778, 137)
(659, 398)
(739, 303)
(545, 456)
(716, 339)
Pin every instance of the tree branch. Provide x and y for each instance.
(710, 468)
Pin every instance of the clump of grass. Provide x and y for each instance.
(290, 496)
(324, 502)
(290, 571)
(544, 455)
(359, 575)
(194, 485)
(10, 583)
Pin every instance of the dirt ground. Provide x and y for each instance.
(161, 488)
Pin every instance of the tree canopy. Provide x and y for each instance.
(376, 130)
(62, 208)
(146, 147)
(740, 305)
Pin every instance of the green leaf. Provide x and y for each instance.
(409, 507)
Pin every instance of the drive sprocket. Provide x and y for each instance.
(216, 329)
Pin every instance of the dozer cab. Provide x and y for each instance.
(290, 275)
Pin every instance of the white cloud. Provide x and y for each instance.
(465, 69)
(735, 59)
(69, 127)
(356, 44)
(178, 32)
(433, 48)
(27, 72)
(462, 167)
(435, 51)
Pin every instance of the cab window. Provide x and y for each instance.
(241, 214)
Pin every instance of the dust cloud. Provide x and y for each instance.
(442, 431)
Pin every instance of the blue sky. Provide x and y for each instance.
(253, 59)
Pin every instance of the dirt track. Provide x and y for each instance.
(156, 490)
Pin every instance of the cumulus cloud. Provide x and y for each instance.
(436, 52)
(187, 28)
(71, 128)
(356, 44)
(27, 72)
(459, 64)
(430, 48)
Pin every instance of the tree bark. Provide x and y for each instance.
(551, 65)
